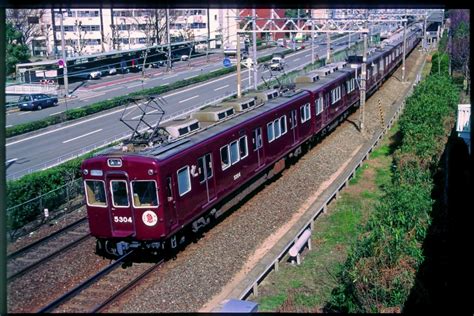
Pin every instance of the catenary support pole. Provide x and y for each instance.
(63, 49)
(239, 89)
(255, 79)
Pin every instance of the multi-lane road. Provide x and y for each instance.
(28, 153)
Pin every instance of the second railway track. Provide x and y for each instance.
(42, 250)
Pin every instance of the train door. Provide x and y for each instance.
(258, 146)
(206, 173)
(294, 124)
(121, 214)
(170, 203)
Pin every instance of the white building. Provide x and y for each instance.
(88, 31)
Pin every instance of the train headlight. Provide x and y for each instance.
(150, 172)
(85, 172)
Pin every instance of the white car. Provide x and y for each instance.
(95, 75)
(184, 57)
(277, 63)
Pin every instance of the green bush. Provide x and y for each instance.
(380, 270)
(35, 184)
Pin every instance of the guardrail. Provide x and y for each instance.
(321, 204)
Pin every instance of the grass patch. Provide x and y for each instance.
(272, 303)
(308, 287)
(358, 174)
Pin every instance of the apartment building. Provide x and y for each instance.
(88, 31)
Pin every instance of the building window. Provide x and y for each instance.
(184, 181)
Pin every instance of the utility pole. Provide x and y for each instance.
(328, 48)
(404, 47)
(239, 89)
(425, 47)
(66, 85)
(208, 35)
(312, 39)
(254, 51)
(169, 37)
(363, 78)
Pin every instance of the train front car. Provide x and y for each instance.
(123, 203)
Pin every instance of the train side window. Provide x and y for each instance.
(169, 191)
(225, 161)
(184, 181)
(119, 193)
(234, 152)
(144, 194)
(276, 128)
(293, 119)
(257, 138)
(270, 134)
(283, 124)
(305, 113)
(95, 193)
(319, 105)
(243, 147)
(205, 161)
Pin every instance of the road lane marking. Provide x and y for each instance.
(188, 99)
(221, 87)
(136, 85)
(9, 125)
(90, 133)
(11, 160)
(24, 113)
(190, 77)
(120, 110)
(93, 96)
(55, 113)
(172, 76)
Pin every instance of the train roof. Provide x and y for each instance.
(165, 151)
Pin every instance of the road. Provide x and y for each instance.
(112, 86)
(26, 154)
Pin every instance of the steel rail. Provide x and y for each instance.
(65, 297)
(119, 293)
(39, 241)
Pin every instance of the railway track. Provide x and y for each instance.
(27, 258)
(103, 288)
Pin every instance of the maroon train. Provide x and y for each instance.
(150, 198)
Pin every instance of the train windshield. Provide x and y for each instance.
(144, 194)
(119, 193)
(95, 193)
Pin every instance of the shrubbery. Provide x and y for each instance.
(380, 270)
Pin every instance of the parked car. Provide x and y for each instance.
(108, 70)
(36, 101)
(95, 75)
(281, 42)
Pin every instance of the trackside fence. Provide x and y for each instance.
(58, 202)
(271, 261)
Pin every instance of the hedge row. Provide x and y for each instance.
(117, 101)
(36, 184)
(381, 267)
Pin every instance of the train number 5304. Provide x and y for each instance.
(122, 219)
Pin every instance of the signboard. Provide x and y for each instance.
(61, 63)
(227, 62)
